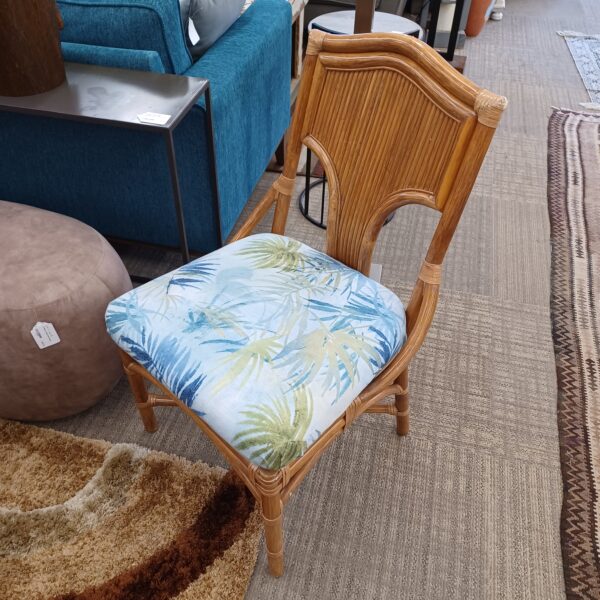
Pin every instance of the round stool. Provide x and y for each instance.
(342, 23)
(57, 276)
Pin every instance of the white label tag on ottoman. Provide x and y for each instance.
(44, 335)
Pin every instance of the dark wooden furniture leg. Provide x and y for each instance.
(280, 152)
(363, 20)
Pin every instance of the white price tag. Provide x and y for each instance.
(193, 33)
(153, 118)
(44, 335)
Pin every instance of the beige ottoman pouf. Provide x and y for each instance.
(54, 270)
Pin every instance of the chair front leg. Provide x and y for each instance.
(140, 393)
(269, 484)
(402, 406)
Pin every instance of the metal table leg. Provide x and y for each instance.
(176, 188)
(304, 196)
(212, 157)
(185, 251)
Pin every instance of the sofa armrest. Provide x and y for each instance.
(249, 69)
(262, 33)
(121, 58)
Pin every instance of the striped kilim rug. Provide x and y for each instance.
(574, 205)
(87, 520)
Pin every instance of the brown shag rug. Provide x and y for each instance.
(88, 520)
(574, 205)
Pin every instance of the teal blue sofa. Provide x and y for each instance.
(117, 180)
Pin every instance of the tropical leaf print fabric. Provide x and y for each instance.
(267, 339)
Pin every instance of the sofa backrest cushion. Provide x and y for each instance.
(133, 24)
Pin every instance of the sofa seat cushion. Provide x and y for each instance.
(266, 339)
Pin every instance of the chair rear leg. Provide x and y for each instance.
(140, 392)
(269, 487)
(402, 406)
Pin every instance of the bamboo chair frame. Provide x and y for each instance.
(466, 116)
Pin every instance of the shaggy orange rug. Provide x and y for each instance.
(83, 519)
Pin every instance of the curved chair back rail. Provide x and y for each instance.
(393, 124)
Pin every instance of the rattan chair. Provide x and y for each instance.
(393, 124)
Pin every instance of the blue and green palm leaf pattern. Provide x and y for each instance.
(245, 362)
(191, 275)
(277, 253)
(267, 339)
(332, 354)
(274, 431)
(208, 319)
(168, 362)
(126, 312)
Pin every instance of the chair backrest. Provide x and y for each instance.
(392, 124)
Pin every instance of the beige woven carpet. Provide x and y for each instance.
(574, 205)
(468, 505)
(87, 520)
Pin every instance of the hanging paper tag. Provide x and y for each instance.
(44, 335)
(193, 33)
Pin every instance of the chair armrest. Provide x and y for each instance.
(280, 193)
(420, 313)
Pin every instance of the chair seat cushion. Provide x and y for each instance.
(266, 339)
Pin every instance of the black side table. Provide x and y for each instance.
(121, 98)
